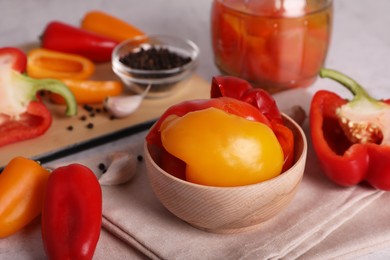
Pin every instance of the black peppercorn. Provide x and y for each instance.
(88, 108)
(102, 167)
(154, 59)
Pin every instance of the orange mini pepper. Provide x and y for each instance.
(22, 186)
(43, 63)
(109, 26)
(89, 91)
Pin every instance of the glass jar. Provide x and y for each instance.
(274, 44)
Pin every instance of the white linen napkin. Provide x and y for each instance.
(132, 212)
(27, 245)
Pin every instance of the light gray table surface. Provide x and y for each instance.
(360, 43)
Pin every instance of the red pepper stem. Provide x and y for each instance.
(54, 86)
(358, 91)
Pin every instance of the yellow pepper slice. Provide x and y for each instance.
(43, 63)
(221, 149)
(22, 186)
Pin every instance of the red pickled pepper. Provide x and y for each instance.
(227, 93)
(229, 86)
(257, 48)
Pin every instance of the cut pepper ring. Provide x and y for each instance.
(44, 63)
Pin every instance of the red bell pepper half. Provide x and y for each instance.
(63, 37)
(22, 114)
(72, 213)
(351, 138)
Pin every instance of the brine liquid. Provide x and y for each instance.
(272, 51)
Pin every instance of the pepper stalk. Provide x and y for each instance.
(18, 90)
(363, 119)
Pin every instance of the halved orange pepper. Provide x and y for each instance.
(109, 26)
(89, 91)
(22, 187)
(43, 63)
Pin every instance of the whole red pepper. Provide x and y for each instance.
(22, 114)
(72, 213)
(351, 138)
(63, 37)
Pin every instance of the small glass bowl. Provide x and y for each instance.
(163, 82)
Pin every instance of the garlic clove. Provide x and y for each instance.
(122, 106)
(121, 169)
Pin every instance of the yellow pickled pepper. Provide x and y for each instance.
(221, 149)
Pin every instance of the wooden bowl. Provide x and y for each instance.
(227, 209)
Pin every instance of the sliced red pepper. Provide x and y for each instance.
(31, 124)
(22, 115)
(72, 213)
(229, 86)
(348, 149)
(63, 37)
(286, 140)
(15, 56)
(172, 164)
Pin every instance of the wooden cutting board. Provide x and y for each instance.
(59, 140)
